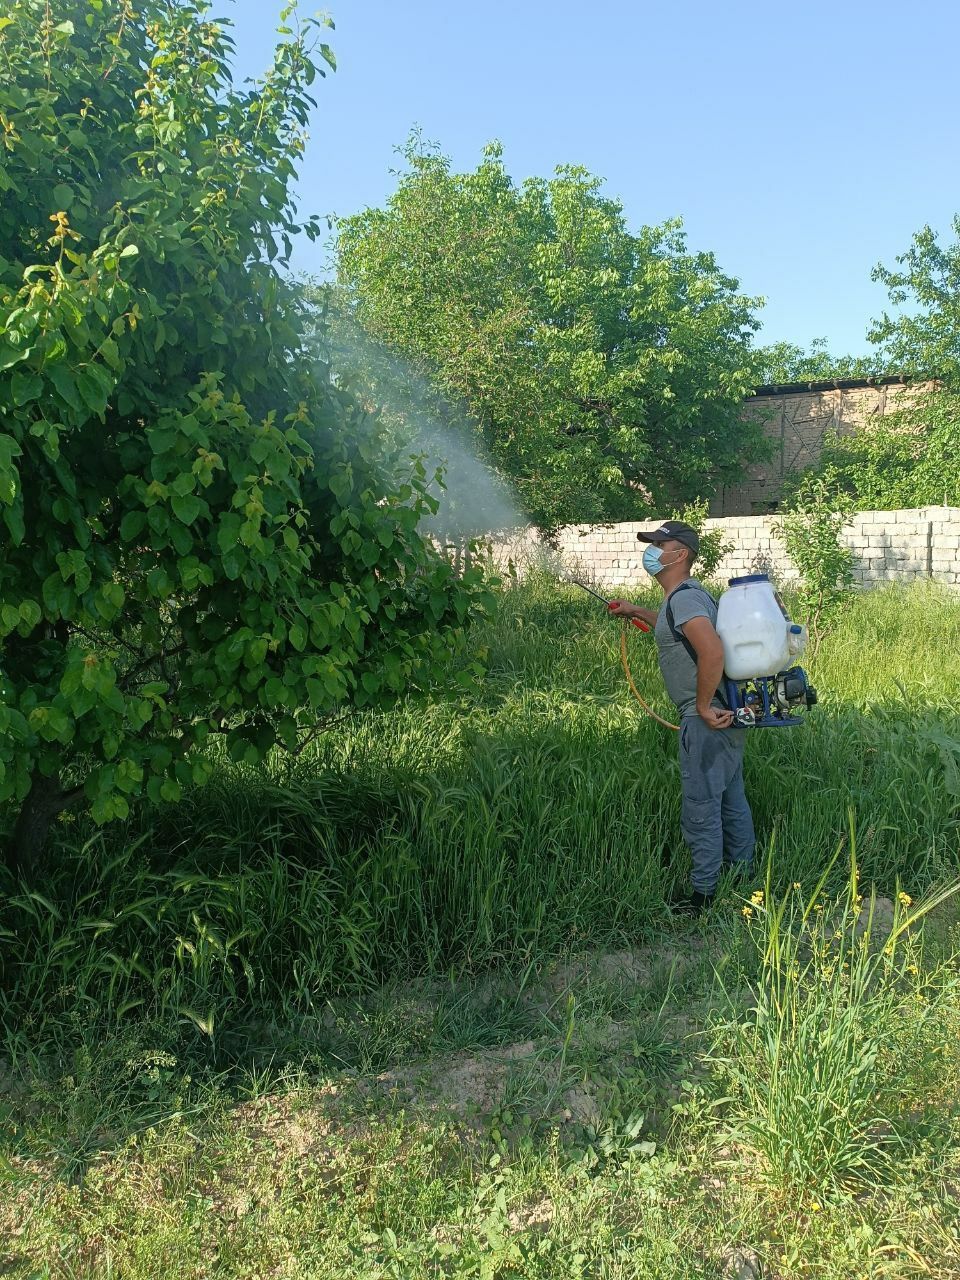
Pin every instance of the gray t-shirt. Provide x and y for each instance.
(679, 670)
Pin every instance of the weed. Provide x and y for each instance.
(804, 1063)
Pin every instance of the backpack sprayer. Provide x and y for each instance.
(759, 642)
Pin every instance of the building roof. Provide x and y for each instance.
(827, 384)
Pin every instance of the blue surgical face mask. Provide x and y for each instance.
(653, 560)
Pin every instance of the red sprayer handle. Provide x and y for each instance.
(641, 626)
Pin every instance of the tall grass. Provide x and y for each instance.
(813, 1053)
(539, 815)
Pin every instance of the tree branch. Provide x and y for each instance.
(149, 662)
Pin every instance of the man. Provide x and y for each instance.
(715, 816)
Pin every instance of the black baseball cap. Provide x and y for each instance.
(678, 530)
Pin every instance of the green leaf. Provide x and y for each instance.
(162, 439)
(9, 449)
(66, 384)
(132, 525)
(187, 507)
(111, 353)
(62, 195)
(25, 387)
(30, 614)
(274, 692)
(181, 538)
(95, 386)
(256, 652)
(228, 534)
(13, 519)
(317, 694)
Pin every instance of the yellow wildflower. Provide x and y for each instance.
(747, 912)
(757, 897)
(904, 899)
(796, 884)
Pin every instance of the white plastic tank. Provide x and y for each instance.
(758, 637)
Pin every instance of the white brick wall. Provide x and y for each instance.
(888, 545)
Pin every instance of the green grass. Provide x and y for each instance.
(615, 1117)
(413, 1007)
(842, 998)
(462, 834)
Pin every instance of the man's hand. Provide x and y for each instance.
(709, 650)
(623, 608)
(715, 717)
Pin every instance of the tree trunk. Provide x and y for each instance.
(43, 803)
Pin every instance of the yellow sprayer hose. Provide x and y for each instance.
(633, 688)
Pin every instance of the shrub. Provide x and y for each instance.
(811, 529)
(201, 534)
(910, 459)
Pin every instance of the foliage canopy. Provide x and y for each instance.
(910, 458)
(811, 528)
(786, 362)
(201, 534)
(602, 371)
(923, 340)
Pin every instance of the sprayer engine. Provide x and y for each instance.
(759, 641)
(766, 701)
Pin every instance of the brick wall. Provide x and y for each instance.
(796, 421)
(904, 546)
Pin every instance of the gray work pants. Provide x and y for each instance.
(715, 817)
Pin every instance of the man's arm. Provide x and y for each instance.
(709, 650)
(624, 609)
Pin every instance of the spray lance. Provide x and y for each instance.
(762, 684)
(642, 626)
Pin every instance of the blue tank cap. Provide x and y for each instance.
(750, 577)
(796, 629)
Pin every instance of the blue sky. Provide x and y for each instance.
(802, 143)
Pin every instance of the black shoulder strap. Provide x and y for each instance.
(674, 629)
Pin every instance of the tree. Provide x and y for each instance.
(201, 533)
(910, 458)
(924, 340)
(602, 371)
(785, 362)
